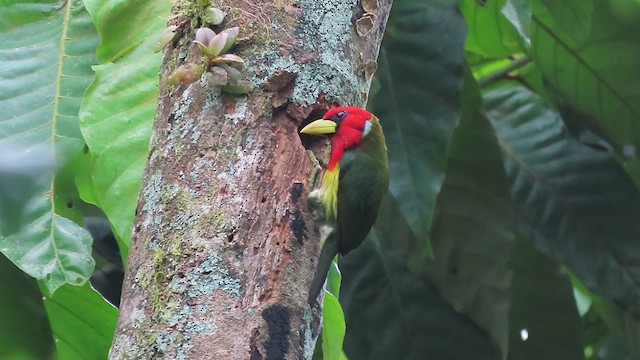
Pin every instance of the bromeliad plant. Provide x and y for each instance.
(216, 60)
(214, 46)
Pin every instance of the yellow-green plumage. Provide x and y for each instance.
(329, 192)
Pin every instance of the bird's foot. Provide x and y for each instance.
(316, 205)
(314, 179)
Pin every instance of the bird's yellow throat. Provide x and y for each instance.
(329, 189)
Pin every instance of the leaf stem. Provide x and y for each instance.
(500, 73)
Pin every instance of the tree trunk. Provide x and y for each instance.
(224, 246)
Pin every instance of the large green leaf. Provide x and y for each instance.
(544, 320)
(615, 340)
(572, 17)
(83, 323)
(390, 310)
(46, 50)
(518, 12)
(329, 345)
(574, 202)
(420, 73)
(24, 330)
(333, 323)
(598, 74)
(472, 233)
(118, 110)
(333, 327)
(393, 314)
(490, 33)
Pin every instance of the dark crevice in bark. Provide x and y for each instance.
(279, 323)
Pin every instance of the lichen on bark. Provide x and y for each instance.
(224, 246)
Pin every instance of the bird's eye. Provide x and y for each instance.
(340, 115)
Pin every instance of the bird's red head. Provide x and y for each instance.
(346, 126)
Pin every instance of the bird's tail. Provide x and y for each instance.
(328, 252)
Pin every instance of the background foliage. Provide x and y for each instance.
(510, 230)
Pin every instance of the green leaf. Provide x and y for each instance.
(393, 314)
(24, 330)
(333, 327)
(622, 338)
(420, 73)
(544, 319)
(67, 200)
(119, 106)
(333, 324)
(125, 25)
(572, 17)
(83, 323)
(46, 51)
(83, 180)
(51, 248)
(597, 75)
(574, 202)
(472, 235)
(490, 33)
(518, 12)
(333, 279)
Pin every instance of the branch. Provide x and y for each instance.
(502, 72)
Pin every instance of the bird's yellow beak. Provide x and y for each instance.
(320, 127)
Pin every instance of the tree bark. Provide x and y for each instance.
(224, 246)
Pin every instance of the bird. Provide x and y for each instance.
(353, 182)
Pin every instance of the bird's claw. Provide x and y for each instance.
(314, 179)
(316, 206)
